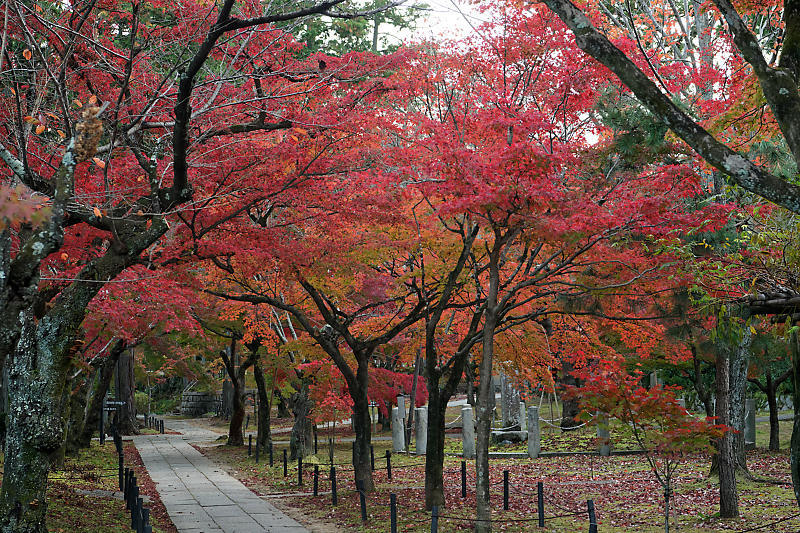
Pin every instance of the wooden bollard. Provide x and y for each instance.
(389, 464)
(316, 480)
(362, 500)
(249, 445)
(435, 519)
(463, 479)
(505, 490)
(334, 500)
(540, 502)
(393, 512)
(592, 517)
(299, 471)
(285, 464)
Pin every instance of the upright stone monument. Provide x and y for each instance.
(509, 402)
(421, 421)
(750, 423)
(468, 432)
(398, 431)
(534, 433)
(523, 417)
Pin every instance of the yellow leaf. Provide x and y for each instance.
(752, 330)
(97, 213)
(77, 103)
(293, 137)
(39, 129)
(61, 134)
(301, 131)
(99, 162)
(30, 120)
(140, 213)
(92, 100)
(27, 54)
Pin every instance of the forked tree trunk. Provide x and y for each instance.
(301, 439)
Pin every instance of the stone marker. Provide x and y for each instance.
(401, 405)
(509, 402)
(523, 417)
(534, 433)
(421, 434)
(398, 431)
(750, 423)
(468, 432)
(603, 436)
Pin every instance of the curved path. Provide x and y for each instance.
(199, 496)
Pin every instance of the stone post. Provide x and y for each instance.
(654, 382)
(401, 406)
(398, 431)
(534, 433)
(523, 417)
(603, 436)
(468, 432)
(509, 402)
(750, 423)
(421, 421)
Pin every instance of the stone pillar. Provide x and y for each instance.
(603, 436)
(750, 423)
(421, 421)
(398, 431)
(401, 406)
(509, 402)
(534, 433)
(654, 382)
(523, 417)
(468, 432)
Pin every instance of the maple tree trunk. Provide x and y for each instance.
(264, 435)
(362, 425)
(126, 414)
(91, 417)
(301, 438)
(486, 400)
(37, 377)
(77, 408)
(739, 358)
(726, 445)
(794, 446)
(235, 434)
(569, 405)
(434, 452)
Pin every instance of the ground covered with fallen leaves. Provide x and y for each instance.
(626, 495)
(81, 495)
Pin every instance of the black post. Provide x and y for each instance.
(258, 451)
(162, 426)
(330, 448)
(505, 490)
(316, 447)
(435, 519)
(393, 512)
(249, 445)
(136, 514)
(145, 517)
(463, 479)
(540, 502)
(334, 500)
(592, 518)
(372, 457)
(120, 473)
(389, 465)
(316, 480)
(299, 471)
(247, 423)
(285, 465)
(362, 500)
(125, 484)
(271, 462)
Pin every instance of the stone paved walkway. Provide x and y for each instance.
(199, 496)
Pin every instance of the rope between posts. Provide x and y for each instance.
(771, 523)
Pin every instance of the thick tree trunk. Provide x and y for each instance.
(794, 446)
(726, 445)
(569, 406)
(301, 440)
(283, 407)
(434, 456)
(362, 463)
(235, 433)
(739, 358)
(264, 436)
(126, 388)
(77, 409)
(37, 376)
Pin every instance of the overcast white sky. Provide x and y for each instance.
(443, 19)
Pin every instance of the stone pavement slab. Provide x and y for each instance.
(199, 496)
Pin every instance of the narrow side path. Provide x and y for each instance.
(199, 496)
